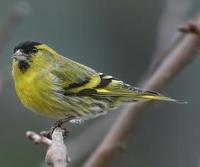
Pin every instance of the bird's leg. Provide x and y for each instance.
(58, 123)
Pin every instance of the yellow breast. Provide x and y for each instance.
(35, 90)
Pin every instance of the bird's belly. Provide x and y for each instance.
(48, 103)
(40, 98)
(37, 100)
(86, 107)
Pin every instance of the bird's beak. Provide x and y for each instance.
(18, 55)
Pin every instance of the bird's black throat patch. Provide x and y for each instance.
(23, 66)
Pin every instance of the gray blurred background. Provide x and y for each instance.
(117, 37)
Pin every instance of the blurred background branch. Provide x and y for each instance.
(16, 15)
(174, 13)
(7, 29)
(116, 138)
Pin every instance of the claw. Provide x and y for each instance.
(59, 124)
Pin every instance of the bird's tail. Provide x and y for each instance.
(150, 95)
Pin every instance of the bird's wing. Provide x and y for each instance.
(74, 77)
(77, 79)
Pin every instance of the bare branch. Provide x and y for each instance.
(116, 138)
(38, 139)
(57, 155)
(190, 27)
(174, 13)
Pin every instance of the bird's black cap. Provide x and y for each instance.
(26, 46)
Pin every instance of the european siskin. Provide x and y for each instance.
(55, 86)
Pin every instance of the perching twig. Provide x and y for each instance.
(116, 138)
(57, 154)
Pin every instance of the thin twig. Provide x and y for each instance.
(173, 64)
(57, 154)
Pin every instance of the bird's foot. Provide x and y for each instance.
(57, 124)
(48, 133)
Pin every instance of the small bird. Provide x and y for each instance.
(55, 86)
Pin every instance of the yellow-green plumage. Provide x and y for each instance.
(58, 87)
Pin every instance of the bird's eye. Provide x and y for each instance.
(34, 50)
